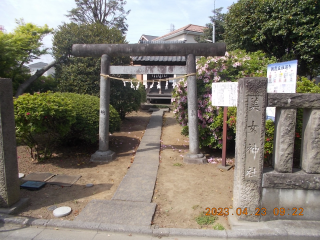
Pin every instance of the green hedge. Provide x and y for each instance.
(86, 126)
(41, 119)
(45, 119)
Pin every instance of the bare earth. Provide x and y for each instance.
(182, 191)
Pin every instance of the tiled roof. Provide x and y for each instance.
(159, 59)
(147, 37)
(161, 42)
(189, 27)
(177, 59)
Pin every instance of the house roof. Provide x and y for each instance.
(161, 42)
(185, 29)
(147, 37)
(156, 40)
(38, 65)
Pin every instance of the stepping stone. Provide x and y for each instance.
(118, 212)
(64, 180)
(38, 176)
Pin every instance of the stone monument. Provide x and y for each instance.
(9, 179)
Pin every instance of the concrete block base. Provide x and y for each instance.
(296, 204)
(195, 158)
(17, 207)
(103, 156)
(225, 168)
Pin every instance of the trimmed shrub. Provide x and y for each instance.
(124, 98)
(41, 119)
(43, 84)
(86, 126)
(268, 142)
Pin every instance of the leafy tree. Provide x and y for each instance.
(21, 47)
(110, 13)
(42, 84)
(219, 19)
(286, 29)
(126, 100)
(81, 75)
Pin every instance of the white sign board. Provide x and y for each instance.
(225, 94)
(282, 78)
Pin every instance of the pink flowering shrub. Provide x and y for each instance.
(229, 68)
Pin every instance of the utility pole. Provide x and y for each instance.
(213, 24)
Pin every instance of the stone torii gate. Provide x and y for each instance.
(106, 51)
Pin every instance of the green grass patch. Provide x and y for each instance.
(177, 164)
(203, 219)
(218, 226)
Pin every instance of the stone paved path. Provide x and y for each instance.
(131, 204)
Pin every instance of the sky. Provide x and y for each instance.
(150, 17)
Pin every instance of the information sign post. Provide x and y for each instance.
(224, 94)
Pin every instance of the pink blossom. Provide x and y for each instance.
(217, 79)
(236, 64)
(28, 113)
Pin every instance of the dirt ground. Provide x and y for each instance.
(182, 192)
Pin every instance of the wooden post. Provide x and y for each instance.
(224, 136)
(223, 164)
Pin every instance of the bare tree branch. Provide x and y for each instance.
(22, 87)
(107, 12)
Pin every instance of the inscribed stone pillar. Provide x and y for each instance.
(310, 149)
(284, 133)
(251, 113)
(104, 154)
(194, 155)
(9, 179)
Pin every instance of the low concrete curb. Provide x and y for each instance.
(284, 230)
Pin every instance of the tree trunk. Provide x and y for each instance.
(39, 73)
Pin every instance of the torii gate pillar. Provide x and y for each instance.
(104, 154)
(194, 155)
